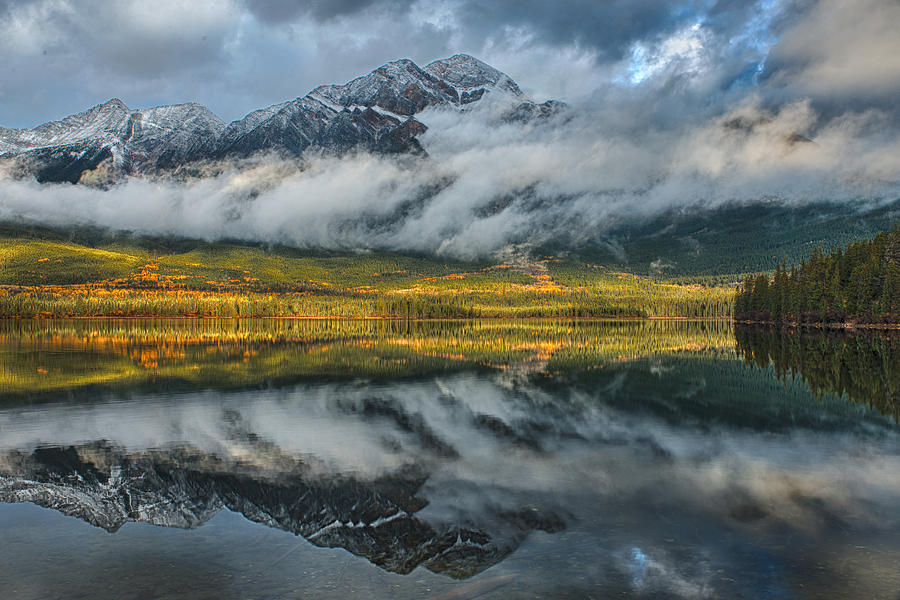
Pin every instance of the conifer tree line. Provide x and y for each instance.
(861, 283)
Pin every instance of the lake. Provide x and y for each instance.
(217, 459)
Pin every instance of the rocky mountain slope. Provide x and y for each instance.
(375, 112)
(129, 140)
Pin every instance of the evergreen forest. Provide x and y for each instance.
(860, 284)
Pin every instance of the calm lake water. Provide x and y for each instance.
(484, 459)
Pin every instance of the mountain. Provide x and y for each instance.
(375, 112)
(402, 88)
(131, 140)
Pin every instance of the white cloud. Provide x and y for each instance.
(487, 184)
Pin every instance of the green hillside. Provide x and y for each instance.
(45, 273)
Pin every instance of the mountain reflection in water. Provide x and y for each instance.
(568, 458)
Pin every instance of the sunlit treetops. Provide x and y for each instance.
(62, 279)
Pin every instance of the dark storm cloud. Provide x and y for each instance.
(62, 56)
(610, 27)
(278, 12)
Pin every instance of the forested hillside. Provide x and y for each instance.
(861, 284)
(723, 244)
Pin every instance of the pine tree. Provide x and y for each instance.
(836, 300)
(890, 292)
(862, 281)
(759, 301)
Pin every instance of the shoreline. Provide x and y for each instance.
(838, 325)
(361, 318)
(492, 300)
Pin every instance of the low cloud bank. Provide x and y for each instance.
(487, 183)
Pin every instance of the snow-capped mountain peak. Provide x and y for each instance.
(375, 112)
(467, 72)
(103, 121)
(400, 87)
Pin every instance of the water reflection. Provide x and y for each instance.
(41, 358)
(864, 365)
(515, 458)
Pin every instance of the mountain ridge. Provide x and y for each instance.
(375, 112)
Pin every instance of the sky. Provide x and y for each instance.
(63, 56)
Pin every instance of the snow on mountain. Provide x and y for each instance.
(290, 127)
(239, 128)
(404, 89)
(400, 87)
(105, 122)
(375, 112)
(166, 136)
(133, 140)
(472, 78)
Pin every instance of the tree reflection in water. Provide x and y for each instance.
(863, 365)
